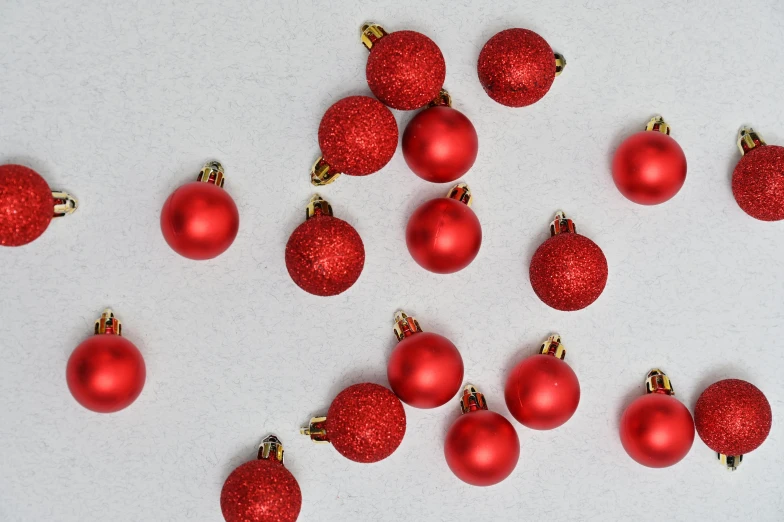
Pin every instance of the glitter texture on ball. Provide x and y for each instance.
(26, 205)
(758, 183)
(261, 491)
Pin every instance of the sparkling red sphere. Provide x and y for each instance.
(649, 167)
(733, 417)
(758, 183)
(106, 373)
(443, 235)
(357, 136)
(200, 220)
(366, 423)
(405, 70)
(26, 205)
(482, 448)
(516, 67)
(261, 491)
(542, 392)
(425, 370)
(657, 430)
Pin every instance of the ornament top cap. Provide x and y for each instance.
(461, 193)
(552, 346)
(271, 448)
(560, 63)
(444, 99)
(317, 206)
(64, 203)
(658, 124)
(371, 33)
(108, 323)
(321, 174)
(212, 172)
(657, 382)
(561, 224)
(316, 430)
(749, 139)
(472, 399)
(405, 325)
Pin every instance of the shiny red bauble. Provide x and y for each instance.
(649, 167)
(425, 369)
(200, 220)
(542, 391)
(444, 235)
(758, 178)
(517, 67)
(405, 69)
(106, 373)
(481, 447)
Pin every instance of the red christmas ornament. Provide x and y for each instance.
(200, 220)
(357, 136)
(262, 490)
(365, 423)
(440, 143)
(106, 373)
(405, 69)
(425, 369)
(649, 167)
(27, 205)
(657, 429)
(444, 235)
(543, 392)
(517, 67)
(568, 271)
(733, 417)
(324, 255)
(481, 447)
(758, 179)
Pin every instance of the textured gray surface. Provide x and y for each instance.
(119, 103)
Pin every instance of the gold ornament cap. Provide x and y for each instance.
(461, 193)
(108, 324)
(317, 206)
(316, 430)
(731, 462)
(370, 33)
(657, 124)
(405, 325)
(562, 225)
(64, 204)
(552, 346)
(212, 172)
(271, 448)
(749, 139)
(657, 382)
(560, 63)
(472, 399)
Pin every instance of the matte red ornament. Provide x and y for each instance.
(568, 271)
(262, 490)
(106, 373)
(200, 220)
(758, 179)
(517, 67)
(733, 417)
(324, 255)
(365, 423)
(444, 235)
(481, 446)
(649, 167)
(542, 391)
(425, 369)
(357, 136)
(405, 69)
(657, 430)
(27, 205)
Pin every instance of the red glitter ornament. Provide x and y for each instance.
(262, 490)
(27, 205)
(444, 235)
(517, 67)
(542, 391)
(758, 179)
(200, 220)
(357, 136)
(568, 271)
(425, 369)
(657, 429)
(481, 446)
(649, 167)
(405, 69)
(733, 417)
(365, 423)
(324, 255)
(106, 373)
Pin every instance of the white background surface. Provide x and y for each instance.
(121, 102)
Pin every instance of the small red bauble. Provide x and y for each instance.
(733, 417)
(517, 67)
(758, 179)
(425, 369)
(405, 69)
(200, 220)
(481, 447)
(27, 205)
(357, 136)
(542, 391)
(324, 255)
(365, 423)
(568, 271)
(106, 373)
(444, 235)
(657, 430)
(262, 490)
(649, 167)
(440, 143)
